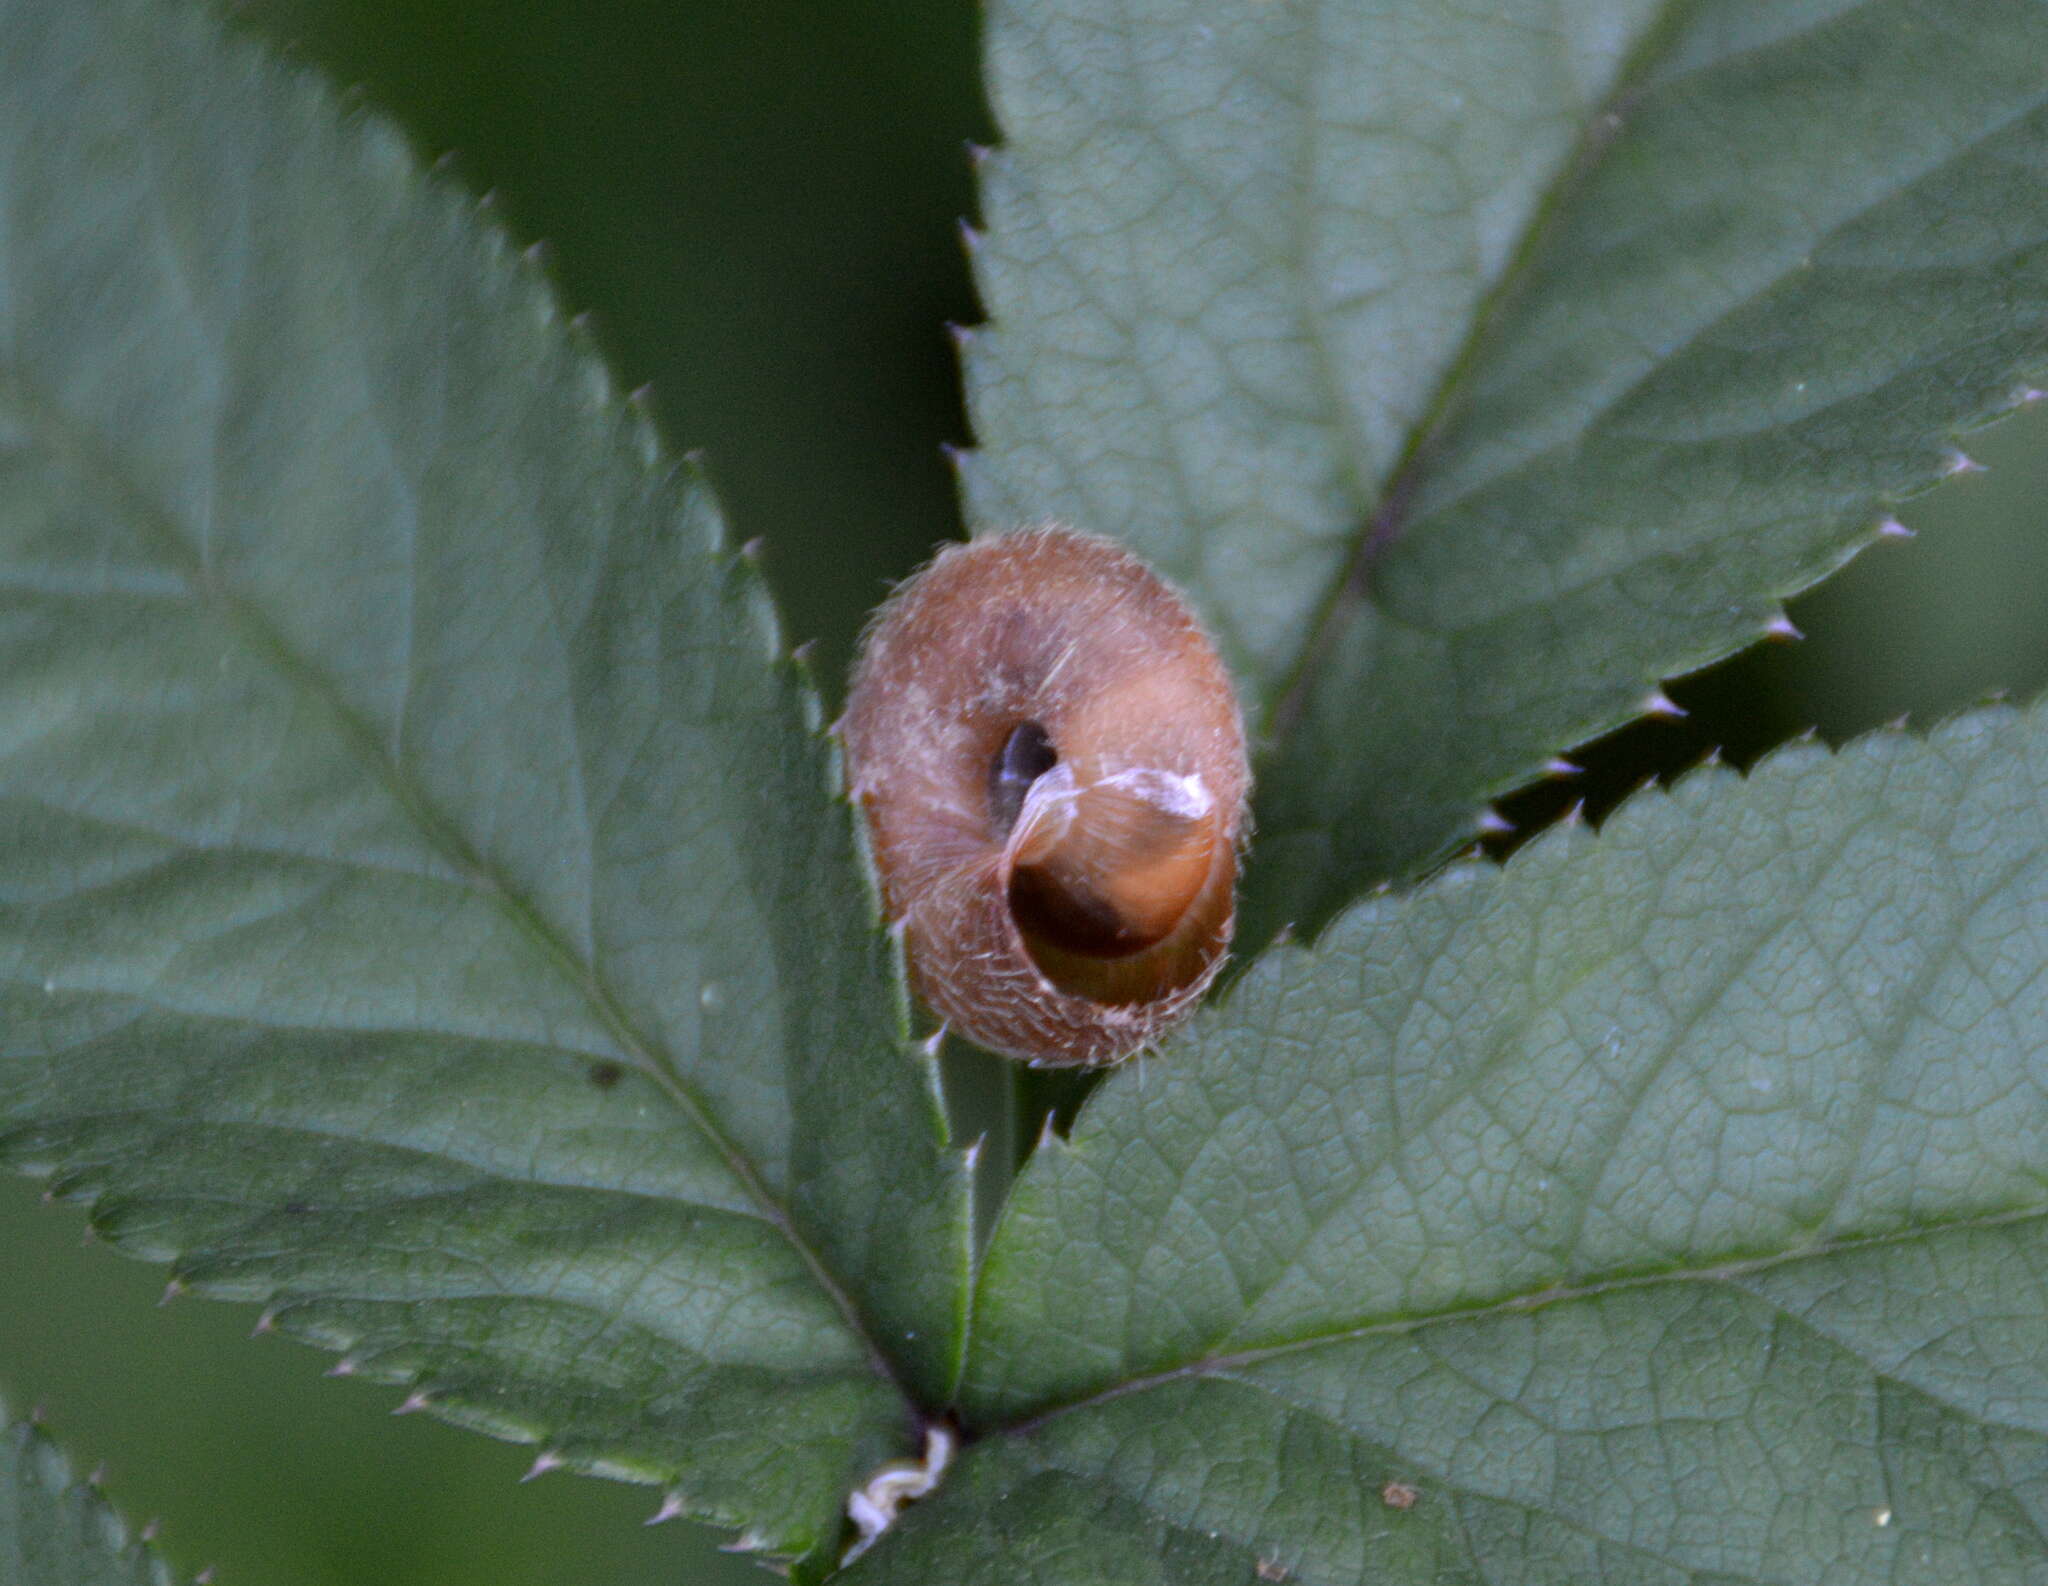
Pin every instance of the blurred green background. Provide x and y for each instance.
(758, 204)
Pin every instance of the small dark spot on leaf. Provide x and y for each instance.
(298, 1208)
(605, 1075)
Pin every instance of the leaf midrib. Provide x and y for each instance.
(80, 450)
(1721, 1270)
(1384, 515)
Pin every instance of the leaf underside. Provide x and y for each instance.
(1474, 367)
(1670, 1206)
(57, 1530)
(428, 909)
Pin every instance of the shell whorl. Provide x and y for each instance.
(1052, 764)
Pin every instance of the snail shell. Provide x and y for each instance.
(1052, 764)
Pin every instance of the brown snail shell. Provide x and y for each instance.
(1052, 764)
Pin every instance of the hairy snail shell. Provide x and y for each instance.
(1052, 764)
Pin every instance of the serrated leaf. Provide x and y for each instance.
(427, 905)
(1476, 366)
(58, 1530)
(1671, 1205)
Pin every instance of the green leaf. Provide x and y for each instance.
(428, 909)
(56, 1530)
(1476, 366)
(1671, 1205)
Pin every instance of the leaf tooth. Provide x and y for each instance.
(543, 1462)
(1557, 765)
(344, 1367)
(646, 433)
(1960, 462)
(972, 237)
(1661, 705)
(174, 1289)
(1893, 529)
(413, 1403)
(597, 383)
(1781, 627)
(1494, 824)
(671, 1509)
